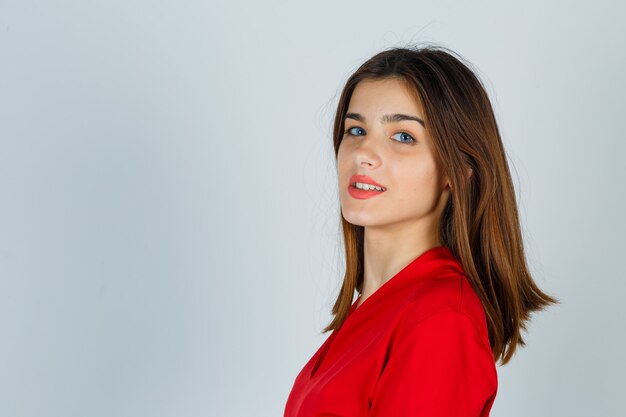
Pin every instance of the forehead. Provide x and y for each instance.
(387, 95)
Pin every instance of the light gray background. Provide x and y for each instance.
(169, 239)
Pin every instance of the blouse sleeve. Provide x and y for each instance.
(438, 367)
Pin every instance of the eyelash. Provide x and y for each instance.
(347, 132)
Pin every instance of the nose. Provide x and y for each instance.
(367, 153)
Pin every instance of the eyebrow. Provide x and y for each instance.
(387, 118)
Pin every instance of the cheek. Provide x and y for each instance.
(420, 181)
(342, 159)
(340, 152)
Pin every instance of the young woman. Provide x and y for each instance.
(433, 247)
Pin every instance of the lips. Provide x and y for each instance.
(364, 194)
(364, 179)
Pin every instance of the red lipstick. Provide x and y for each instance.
(363, 194)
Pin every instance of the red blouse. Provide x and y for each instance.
(418, 346)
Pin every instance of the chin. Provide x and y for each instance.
(360, 220)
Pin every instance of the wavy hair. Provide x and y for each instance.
(480, 222)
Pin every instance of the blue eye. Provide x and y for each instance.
(348, 131)
(350, 128)
(411, 140)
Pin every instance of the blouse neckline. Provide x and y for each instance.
(415, 269)
(421, 267)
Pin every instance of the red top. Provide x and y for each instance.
(418, 346)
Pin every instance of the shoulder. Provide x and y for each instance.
(438, 365)
(448, 299)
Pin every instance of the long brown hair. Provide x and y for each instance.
(480, 223)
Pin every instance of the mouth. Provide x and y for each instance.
(366, 187)
(363, 187)
(365, 183)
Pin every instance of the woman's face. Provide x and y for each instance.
(396, 154)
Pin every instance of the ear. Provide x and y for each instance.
(447, 181)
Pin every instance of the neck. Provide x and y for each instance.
(386, 252)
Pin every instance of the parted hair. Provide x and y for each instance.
(480, 222)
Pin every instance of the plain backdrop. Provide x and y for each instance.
(169, 219)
